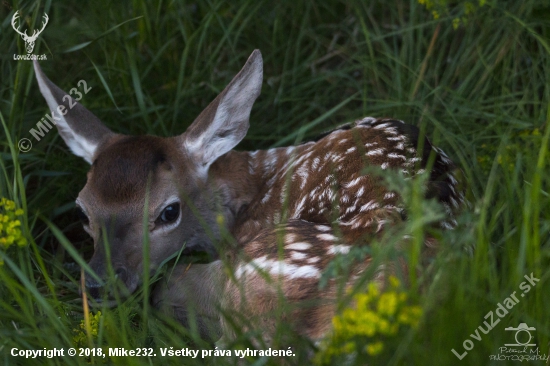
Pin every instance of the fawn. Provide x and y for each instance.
(282, 206)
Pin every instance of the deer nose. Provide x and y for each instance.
(121, 274)
(94, 289)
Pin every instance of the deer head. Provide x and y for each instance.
(29, 40)
(148, 185)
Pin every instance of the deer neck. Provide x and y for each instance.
(242, 177)
(193, 292)
(236, 187)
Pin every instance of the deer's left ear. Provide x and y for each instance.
(224, 123)
(81, 129)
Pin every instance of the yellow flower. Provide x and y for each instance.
(376, 317)
(394, 282)
(456, 23)
(387, 304)
(80, 339)
(10, 227)
(374, 349)
(220, 219)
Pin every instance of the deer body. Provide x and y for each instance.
(290, 210)
(278, 267)
(322, 181)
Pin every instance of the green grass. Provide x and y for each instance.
(480, 92)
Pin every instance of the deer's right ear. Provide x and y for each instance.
(80, 128)
(224, 123)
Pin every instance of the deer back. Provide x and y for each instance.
(324, 181)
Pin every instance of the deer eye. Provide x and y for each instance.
(170, 213)
(82, 216)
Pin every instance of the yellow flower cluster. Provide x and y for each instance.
(520, 142)
(10, 225)
(376, 316)
(438, 7)
(80, 339)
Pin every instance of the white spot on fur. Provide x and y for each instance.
(290, 238)
(315, 163)
(398, 138)
(381, 126)
(338, 249)
(359, 223)
(396, 156)
(297, 256)
(446, 225)
(454, 202)
(314, 192)
(375, 152)
(277, 268)
(369, 206)
(327, 237)
(270, 161)
(302, 171)
(322, 227)
(366, 120)
(412, 161)
(336, 158)
(350, 209)
(299, 208)
(352, 183)
(266, 197)
(298, 246)
(350, 150)
(381, 224)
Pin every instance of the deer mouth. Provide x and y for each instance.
(110, 293)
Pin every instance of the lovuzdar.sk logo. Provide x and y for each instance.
(29, 40)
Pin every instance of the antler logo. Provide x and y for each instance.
(29, 40)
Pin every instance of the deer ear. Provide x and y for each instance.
(224, 123)
(81, 129)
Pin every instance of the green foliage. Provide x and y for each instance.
(461, 9)
(480, 92)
